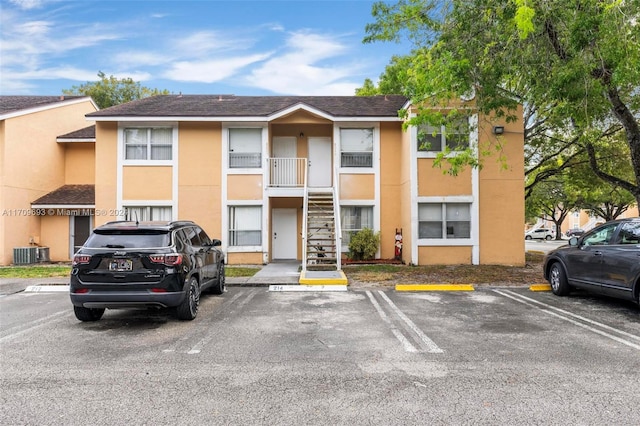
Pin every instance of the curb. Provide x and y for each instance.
(540, 287)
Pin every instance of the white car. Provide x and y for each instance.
(539, 234)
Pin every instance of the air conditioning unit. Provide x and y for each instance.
(25, 255)
(43, 254)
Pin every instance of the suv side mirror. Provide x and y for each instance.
(573, 241)
(216, 243)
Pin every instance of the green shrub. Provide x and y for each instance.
(364, 244)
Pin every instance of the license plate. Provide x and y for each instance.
(120, 265)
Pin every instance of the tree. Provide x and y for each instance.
(574, 64)
(602, 198)
(392, 80)
(554, 199)
(110, 91)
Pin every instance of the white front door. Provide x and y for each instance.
(284, 230)
(320, 167)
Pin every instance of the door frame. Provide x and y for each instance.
(72, 225)
(291, 233)
(326, 140)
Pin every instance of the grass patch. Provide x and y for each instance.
(34, 271)
(529, 273)
(240, 271)
(64, 271)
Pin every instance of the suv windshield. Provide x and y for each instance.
(128, 239)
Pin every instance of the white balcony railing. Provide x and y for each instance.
(287, 172)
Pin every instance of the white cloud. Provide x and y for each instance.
(65, 72)
(212, 70)
(204, 42)
(302, 70)
(27, 4)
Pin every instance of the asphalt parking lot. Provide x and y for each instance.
(371, 356)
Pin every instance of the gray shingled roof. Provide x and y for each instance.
(88, 132)
(253, 106)
(17, 103)
(69, 195)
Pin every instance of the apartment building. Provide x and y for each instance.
(294, 177)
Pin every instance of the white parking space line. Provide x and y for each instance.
(197, 348)
(33, 325)
(423, 340)
(408, 347)
(580, 321)
(430, 344)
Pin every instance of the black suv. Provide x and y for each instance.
(145, 265)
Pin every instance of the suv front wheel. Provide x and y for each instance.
(219, 286)
(188, 309)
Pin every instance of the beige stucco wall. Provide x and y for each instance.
(147, 183)
(444, 255)
(32, 165)
(502, 198)
(80, 164)
(55, 232)
(391, 160)
(106, 168)
(200, 176)
(357, 187)
(244, 187)
(244, 258)
(433, 182)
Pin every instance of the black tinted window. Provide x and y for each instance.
(204, 238)
(127, 239)
(192, 236)
(179, 240)
(630, 233)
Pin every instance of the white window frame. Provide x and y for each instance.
(348, 203)
(374, 153)
(443, 220)
(148, 208)
(444, 241)
(263, 236)
(443, 140)
(226, 127)
(148, 162)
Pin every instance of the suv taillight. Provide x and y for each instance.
(80, 259)
(173, 259)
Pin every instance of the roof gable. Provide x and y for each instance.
(13, 106)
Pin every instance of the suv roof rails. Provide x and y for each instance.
(166, 223)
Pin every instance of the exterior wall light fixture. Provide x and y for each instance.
(498, 130)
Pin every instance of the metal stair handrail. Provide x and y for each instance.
(305, 213)
(337, 224)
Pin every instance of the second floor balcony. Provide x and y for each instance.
(286, 173)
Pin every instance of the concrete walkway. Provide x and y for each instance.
(278, 272)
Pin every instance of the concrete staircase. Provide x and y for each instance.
(322, 252)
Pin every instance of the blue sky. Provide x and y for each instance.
(206, 47)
